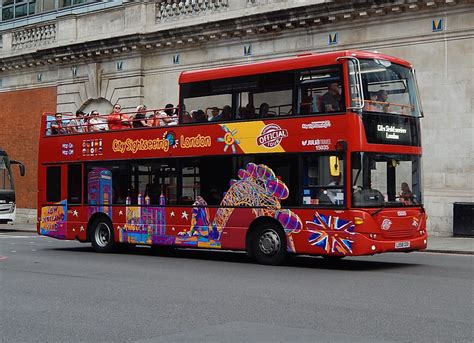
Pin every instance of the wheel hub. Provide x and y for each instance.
(102, 235)
(269, 242)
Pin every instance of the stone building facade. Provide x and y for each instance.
(100, 53)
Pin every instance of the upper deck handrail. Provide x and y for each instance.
(70, 124)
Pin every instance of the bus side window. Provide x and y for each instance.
(53, 184)
(74, 184)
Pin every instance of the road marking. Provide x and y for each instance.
(13, 251)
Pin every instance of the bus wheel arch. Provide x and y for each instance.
(100, 232)
(266, 241)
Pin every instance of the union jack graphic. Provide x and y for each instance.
(331, 233)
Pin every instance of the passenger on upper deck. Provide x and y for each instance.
(166, 117)
(214, 114)
(199, 116)
(331, 100)
(96, 123)
(381, 104)
(77, 125)
(140, 118)
(226, 114)
(117, 120)
(57, 127)
(264, 110)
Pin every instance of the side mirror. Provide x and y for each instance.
(20, 165)
(334, 166)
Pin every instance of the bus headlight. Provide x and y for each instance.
(358, 221)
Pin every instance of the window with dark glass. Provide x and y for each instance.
(320, 91)
(6, 181)
(245, 97)
(74, 184)
(53, 184)
(323, 180)
(135, 183)
(200, 177)
(381, 180)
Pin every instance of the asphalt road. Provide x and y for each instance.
(59, 291)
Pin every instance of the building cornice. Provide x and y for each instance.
(320, 17)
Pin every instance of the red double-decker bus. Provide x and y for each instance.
(316, 154)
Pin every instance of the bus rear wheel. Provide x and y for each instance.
(102, 235)
(269, 244)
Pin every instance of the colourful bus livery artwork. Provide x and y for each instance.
(290, 156)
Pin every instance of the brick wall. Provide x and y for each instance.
(20, 113)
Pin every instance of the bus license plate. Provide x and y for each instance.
(402, 245)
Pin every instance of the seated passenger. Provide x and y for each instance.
(167, 117)
(263, 111)
(186, 118)
(406, 195)
(140, 120)
(331, 100)
(381, 104)
(77, 124)
(226, 114)
(214, 114)
(57, 127)
(117, 120)
(96, 123)
(199, 116)
(250, 111)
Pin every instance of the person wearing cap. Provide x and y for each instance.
(140, 118)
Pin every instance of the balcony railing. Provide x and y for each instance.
(174, 9)
(32, 37)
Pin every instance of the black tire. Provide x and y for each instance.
(268, 244)
(102, 235)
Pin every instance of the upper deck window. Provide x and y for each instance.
(240, 98)
(320, 91)
(387, 87)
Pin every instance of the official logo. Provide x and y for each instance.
(271, 135)
(386, 224)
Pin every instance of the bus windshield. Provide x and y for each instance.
(6, 181)
(381, 180)
(386, 87)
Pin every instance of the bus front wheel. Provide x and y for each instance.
(102, 235)
(269, 244)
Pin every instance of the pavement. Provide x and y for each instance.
(439, 244)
